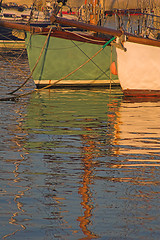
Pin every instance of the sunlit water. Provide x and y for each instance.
(77, 164)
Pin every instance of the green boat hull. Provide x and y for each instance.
(67, 63)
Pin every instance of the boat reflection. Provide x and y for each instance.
(73, 127)
(137, 141)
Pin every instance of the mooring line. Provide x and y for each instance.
(12, 63)
(30, 75)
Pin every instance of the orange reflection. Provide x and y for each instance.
(84, 190)
(90, 152)
(137, 140)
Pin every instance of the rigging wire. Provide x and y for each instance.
(90, 59)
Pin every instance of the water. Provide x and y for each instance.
(77, 164)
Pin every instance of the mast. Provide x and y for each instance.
(102, 12)
(94, 12)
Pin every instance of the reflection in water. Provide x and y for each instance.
(84, 190)
(76, 121)
(91, 151)
(12, 157)
(138, 140)
(137, 161)
(81, 164)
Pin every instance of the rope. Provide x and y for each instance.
(87, 38)
(8, 39)
(48, 86)
(11, 62)
(30, 75)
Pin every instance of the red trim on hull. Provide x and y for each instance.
(142, 93)
(68, 13)
(122, 12)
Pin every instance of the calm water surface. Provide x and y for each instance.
(77, 164)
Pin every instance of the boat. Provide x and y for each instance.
(71, 57)
(138, 57)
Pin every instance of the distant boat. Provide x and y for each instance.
(14, 13)
(22, 14)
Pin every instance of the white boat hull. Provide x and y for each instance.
(139, 69)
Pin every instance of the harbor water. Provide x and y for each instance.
(76, 163)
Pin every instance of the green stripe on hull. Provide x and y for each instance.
(60, 57)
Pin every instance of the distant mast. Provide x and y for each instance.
(95, 11)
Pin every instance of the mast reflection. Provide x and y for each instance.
(90, 152)
(84, 190)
